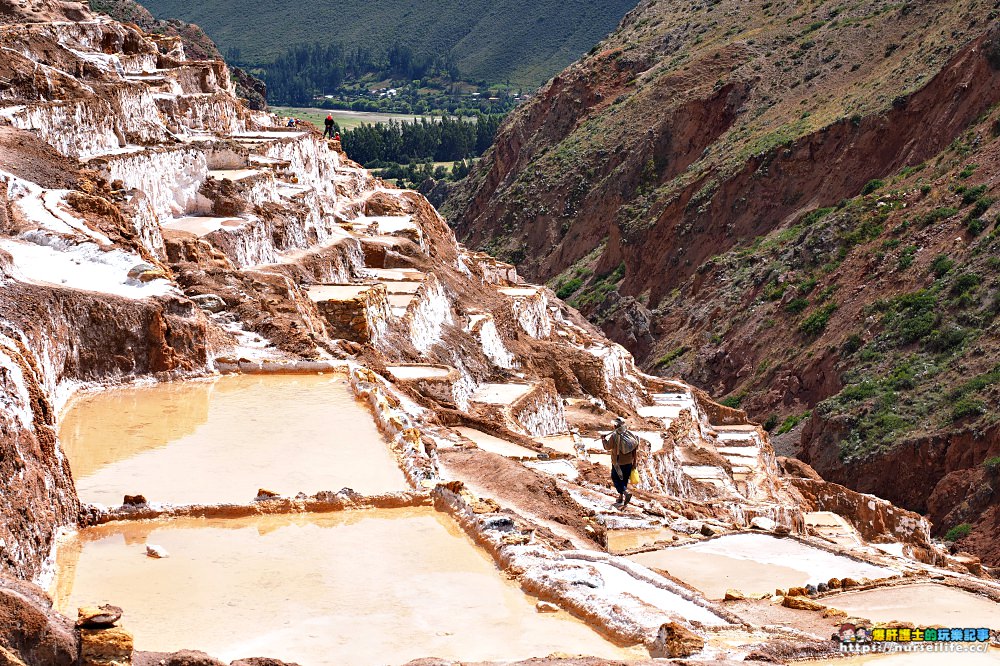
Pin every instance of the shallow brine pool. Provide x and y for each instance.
(365, 587)
(219, 441)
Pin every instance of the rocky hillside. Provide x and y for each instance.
(787, 203)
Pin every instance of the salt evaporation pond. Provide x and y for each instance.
(211, 442)
(754, 563)
(361, 587)
(412, 371)
(924, 604)
(496, 445)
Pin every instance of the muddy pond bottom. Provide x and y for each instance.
(364, 587)
(219, 441)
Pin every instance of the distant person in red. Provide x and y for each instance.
(328, 132)
(337, 138)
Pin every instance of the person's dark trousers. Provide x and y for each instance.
(621, 484)
(328, 131)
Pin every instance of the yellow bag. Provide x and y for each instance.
(633, 478)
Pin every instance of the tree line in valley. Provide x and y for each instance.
(305, 72)
(441, 140)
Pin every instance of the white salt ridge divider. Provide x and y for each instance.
(622, 577)
(85, 267)
(170, 178)
(820, 565)
(17, 399)
(531, 308)
(428, 314)
(620, 373)
(490, 340)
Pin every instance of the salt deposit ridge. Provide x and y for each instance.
(155, 232)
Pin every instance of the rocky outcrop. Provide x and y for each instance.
(675, 641)
(876, 519)
(41, 11)
(102, 338)
(30, 631)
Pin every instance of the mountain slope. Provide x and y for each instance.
(517, 40)
(674, 185)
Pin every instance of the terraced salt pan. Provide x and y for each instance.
(622, 541)
(399, 302)
(417, 371)
(211, 442)
(202, 226)
(268, 135)
(560, 443)
(496, 445)
(666, 412)
(336, 292)
(518, 291)
(500, 394)
(833, 526)
(924, 604)
(755, 563)
(84, 266)
(394, 274)
(562, 468)
(234, 174)
(359, 588)
(402, 287)
(618, 581)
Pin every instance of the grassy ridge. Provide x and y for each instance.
(524, 41)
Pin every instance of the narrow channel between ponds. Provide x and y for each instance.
(219, 441)
(356, 587)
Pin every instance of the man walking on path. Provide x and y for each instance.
(622, 444)
(329, 126)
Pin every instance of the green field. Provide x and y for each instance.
(345, 119)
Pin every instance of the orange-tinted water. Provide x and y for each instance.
(372, 587)
(220, 441)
